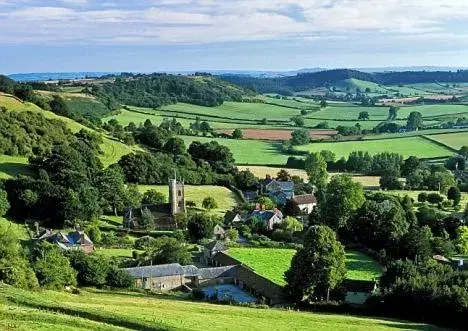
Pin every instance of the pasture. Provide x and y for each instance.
(105, 311)
(225, 198)
(11, 166)
(272, 263)
(408, 146)
(256, 152)
(453, 140)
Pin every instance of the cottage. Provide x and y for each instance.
(305, 203)
(219, 233)
(279, 191)
(269, 217)
(68, 241)
(211, 249)
(163, 214)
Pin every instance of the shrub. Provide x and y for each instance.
(209, 203)
(119, 278)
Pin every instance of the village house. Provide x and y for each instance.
(219, 233)
(163, 214)
(279, 191)
(232, 218)
(268, 217)
(304, 203)
(68, 241)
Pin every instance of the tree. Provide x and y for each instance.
(300, 137)
(422, 197)
(316, 268)
(4, 203)
(245, 180)
(237, 134)
(200, 226)
(133, 196)
(291, 224)
(111, 186)
(419, 243)
(53, 270)
(342, 198)
(464, 151)
(390, 182)
(415, 120)
(392, 113)
(266, 201)
(364, 115)
(410, 165)
(316, 169)
(153, 197)
(434, 198)
(461, 242)
(232, 234)
(205, 128)
(283, 175)
(92, 270)
(454, 195)
(146, 219)
(175, 146)
(166, 250)
(118, 278)
(209, 203)
(298, 120)
(59, 106)
(323, 104)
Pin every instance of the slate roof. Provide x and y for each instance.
(216, 246)
(211, 273)
(64, 240)
(230, 216)
(304, 199)
(266, 215)
(284, 185)
(175, 269)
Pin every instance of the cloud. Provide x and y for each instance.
(210, 21)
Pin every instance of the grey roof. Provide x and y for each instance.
(190, 270)
(156, 270)
(230, 216)
(210, 273)
(266, 215)
(284, 185)
(304, 199)
(216, 246)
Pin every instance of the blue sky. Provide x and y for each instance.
(169, 35)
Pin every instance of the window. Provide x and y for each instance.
(180, 204)
(179, 193)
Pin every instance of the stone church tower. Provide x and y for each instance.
(176, 196)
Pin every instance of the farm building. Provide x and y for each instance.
(211, 249)
(68, 241)
(219, 233)
(279, 191)
(162, 214)
(269, 217)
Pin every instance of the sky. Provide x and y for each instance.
(177, 35)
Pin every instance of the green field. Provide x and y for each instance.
(116, 252)
(256, 152)
(454, 140)
(272, 263)
(113, 150)
(105, 311)
(225, 198)
(411, 146)
(11, 166)
(19, 229)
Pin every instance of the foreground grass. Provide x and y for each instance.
(99, 310)
(411, 146)
(225, 198)
(272, 263)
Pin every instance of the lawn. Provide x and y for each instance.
(225, 198)
(113, 150)
(409, 146)
(105, 311)
(255, 152)
(454, 140)
(116, 252)
(11, 166)
(272, 263)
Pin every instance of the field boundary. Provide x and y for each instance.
(439, 143)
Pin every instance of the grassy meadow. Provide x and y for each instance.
(96, 310)
(11, 166)
(272, 263)
(225, 198)
(407, 146)
(454, 140)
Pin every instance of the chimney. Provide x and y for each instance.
(262, 207)
(257, 206)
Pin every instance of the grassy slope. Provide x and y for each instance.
(99, 310)
(272, 263)
(223, 196)
(113, 150)
(416, 146)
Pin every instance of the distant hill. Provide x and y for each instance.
(306, 81)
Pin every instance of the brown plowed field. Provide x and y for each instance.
(265, 134)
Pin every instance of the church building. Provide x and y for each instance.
(163, 214)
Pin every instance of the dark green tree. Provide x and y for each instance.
(415, 120)
(454, 195)
(153, 197)
(237, 134)
(300, 137)
(200, 226)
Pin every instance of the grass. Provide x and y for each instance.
(272, 263)
(255, 152)
(11, 166)
(104, 311)
(361, 266)
(19, 229)
(414, 195)
(454, 140)
(225, 198)
(113, 150)
(116, 252)
(407, 146)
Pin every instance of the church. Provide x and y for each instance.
(163, 214)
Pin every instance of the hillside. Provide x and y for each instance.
(100, 310)
(306, 81)
(112, 150)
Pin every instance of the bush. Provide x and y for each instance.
(198, 294)
(422, 197)
(209, 203)
(119, 278)
(434, 198)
